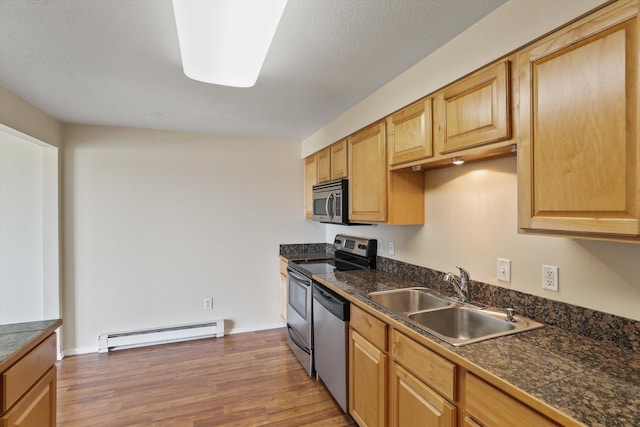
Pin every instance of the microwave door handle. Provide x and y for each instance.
(326, 205)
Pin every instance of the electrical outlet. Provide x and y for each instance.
(504, 270)
(392, 248)
(550, 277)
(208, 303)
(380, 247)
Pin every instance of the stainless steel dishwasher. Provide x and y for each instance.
(330, 337)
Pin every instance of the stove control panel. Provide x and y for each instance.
(356, 245)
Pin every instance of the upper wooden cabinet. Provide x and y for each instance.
(475, 110)
(368, 178)
(310, 179)
(410, 133)
(339, 165)
(332, 162)
(377, 195)
(578, 171)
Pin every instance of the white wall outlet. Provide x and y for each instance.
(504, 270)
(380, 247)
(550, 277)
(208, 303)
(392, 248)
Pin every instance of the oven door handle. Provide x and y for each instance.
(303, 280)
(302, 347)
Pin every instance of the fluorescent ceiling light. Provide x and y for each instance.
(224, 42)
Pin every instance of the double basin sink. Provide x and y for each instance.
(453, 322)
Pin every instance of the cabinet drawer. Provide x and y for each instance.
(374, 330)
(482, 399)
(431, 368)
(25, 373)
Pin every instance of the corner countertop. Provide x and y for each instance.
(17, 339)
(593, 383)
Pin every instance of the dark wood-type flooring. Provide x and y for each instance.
(249, 379)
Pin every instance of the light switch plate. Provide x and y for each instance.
(504, 270)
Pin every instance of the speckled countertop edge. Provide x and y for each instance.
(595, 383)
(16, 336)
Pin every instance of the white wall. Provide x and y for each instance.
(28, 229)
(471, 211)
(155, 221)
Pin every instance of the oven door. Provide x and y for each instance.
(299, 321)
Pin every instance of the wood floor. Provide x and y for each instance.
(249, 379)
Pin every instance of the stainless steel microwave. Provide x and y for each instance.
(331, 202)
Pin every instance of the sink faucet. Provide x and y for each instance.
(462, 286)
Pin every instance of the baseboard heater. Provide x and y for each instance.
(145, 337)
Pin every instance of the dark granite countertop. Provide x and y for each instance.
(16, 338)
(594, 383)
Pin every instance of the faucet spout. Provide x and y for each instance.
(461, 286)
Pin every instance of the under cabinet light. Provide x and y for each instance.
(457, 160)
(225, 42)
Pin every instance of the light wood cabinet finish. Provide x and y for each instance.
(372, 329)
(310, 179)
(324, 165)
(410, 133)
(368, 175)
(37, 408)
(578, 167)
(482, 401)
(283, 288)
(414, 404)
(339, 164)
(430, 367)
(367, 382)
(28, 383)
(474, 111)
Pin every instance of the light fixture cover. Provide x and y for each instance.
(225, 42)
(457, 160)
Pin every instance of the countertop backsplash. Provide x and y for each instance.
(593, 324)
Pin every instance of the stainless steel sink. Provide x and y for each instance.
(453, 322)
(408, 300)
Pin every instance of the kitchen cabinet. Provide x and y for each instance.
(332, 162)
(28, 395)
(420, 384)
(475, 110)
(578, 162)
(377, 195)
(283, 288)
(482, 399)
(310, 179)
(368, 179)
(410, 133)
(367, 369)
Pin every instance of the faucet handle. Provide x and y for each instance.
(510, 317)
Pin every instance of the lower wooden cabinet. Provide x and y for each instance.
(37, 408)
(414, 404)
(28, 388)
(367, 369)
(283, 288)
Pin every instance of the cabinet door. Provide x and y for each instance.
(367, 382)
(578, 166)
(414, 404)
(410, 133)
(368, 179)
(310, 179)
(283, 289)
(475, 111)
(324, 165)
(37, 407)
(339, 163)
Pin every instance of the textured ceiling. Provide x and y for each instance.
(117, 62)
